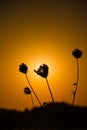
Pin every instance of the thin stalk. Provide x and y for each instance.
(49, 90)
(74, 95)
(33, 90)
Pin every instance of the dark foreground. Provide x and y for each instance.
(54, 116)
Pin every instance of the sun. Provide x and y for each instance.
(35, 61)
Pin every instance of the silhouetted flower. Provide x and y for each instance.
(77, 53)
(23, 68)
(27, 90)
(42, 70)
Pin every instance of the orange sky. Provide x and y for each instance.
(36, 32)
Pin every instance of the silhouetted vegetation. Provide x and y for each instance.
(77, 54)
(24, 69)
(43, 72)
(49, 115)
(52, 115)
(27, 91)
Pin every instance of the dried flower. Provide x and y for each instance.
(23, 68)
(77, 53)
(27, 90)
(42, 70)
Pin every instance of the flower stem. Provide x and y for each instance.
(33, 90)
(74, 95)
(49, 90)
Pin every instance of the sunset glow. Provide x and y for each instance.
(43, 32)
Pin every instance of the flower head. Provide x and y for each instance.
(77, 53)
(27, 90)
(23, 68)
(42, 70)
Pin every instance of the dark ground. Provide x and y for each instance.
(51, 115)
